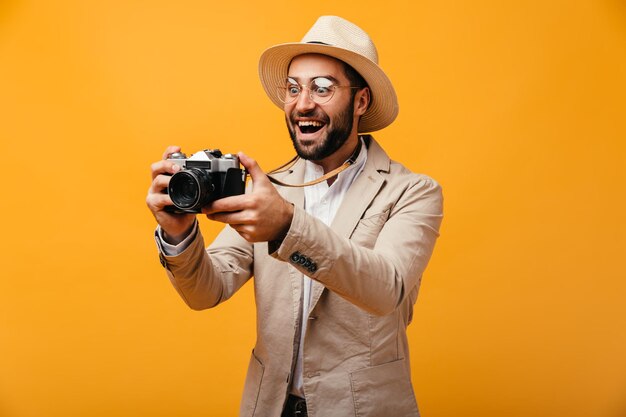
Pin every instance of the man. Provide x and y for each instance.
(336, 264)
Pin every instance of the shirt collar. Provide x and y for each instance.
(313, 171)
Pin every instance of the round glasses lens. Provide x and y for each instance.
(287, 94)
(320, 91)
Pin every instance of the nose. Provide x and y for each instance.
(304, 103)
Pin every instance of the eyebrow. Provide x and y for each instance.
(330, 77)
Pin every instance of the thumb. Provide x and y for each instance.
(255, 171)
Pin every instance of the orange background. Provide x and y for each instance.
(516, 108)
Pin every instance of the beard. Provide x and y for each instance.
(336, 135)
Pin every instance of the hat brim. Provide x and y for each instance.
(383, 109)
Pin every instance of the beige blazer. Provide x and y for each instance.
(366, 269)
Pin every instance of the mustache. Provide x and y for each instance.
(314, 114)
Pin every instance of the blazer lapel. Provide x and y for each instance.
(359, 196)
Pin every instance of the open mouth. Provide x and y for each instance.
(310, 126)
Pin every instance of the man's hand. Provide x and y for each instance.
(261, 216)
(175, 226)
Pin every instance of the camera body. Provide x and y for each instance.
(205, 176)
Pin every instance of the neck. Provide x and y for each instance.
(340, 156)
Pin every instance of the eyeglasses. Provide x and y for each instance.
(321, 90)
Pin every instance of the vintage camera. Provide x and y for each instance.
(204, 177)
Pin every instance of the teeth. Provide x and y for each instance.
(309, 123)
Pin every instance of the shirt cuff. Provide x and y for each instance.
(168, 249)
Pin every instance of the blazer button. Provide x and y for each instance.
(313, 267)
(295, 257)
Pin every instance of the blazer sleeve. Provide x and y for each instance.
(206, 277)
(376, 279)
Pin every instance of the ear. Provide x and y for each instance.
(361, 101)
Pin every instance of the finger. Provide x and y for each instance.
(227, 204)
(158, 201)
(170, 150)
(164, 167)
(159, 184)
(255, 171)
(236, 218)
(243, 230)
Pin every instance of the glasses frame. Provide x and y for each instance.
(282, 91)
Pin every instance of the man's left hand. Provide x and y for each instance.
(261, 216)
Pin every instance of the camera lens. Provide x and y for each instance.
(191, 189)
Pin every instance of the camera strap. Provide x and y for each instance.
(328, 175)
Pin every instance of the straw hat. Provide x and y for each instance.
(338, 38)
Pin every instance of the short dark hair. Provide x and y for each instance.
(355, 79)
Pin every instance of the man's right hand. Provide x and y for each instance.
(175, 227)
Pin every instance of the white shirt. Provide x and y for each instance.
(321, 202)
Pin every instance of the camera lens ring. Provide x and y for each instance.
(191, 189)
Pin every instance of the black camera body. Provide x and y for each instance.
(204, 177)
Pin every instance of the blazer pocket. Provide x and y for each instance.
(252, 386)
(383, 390)
(367, 229)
